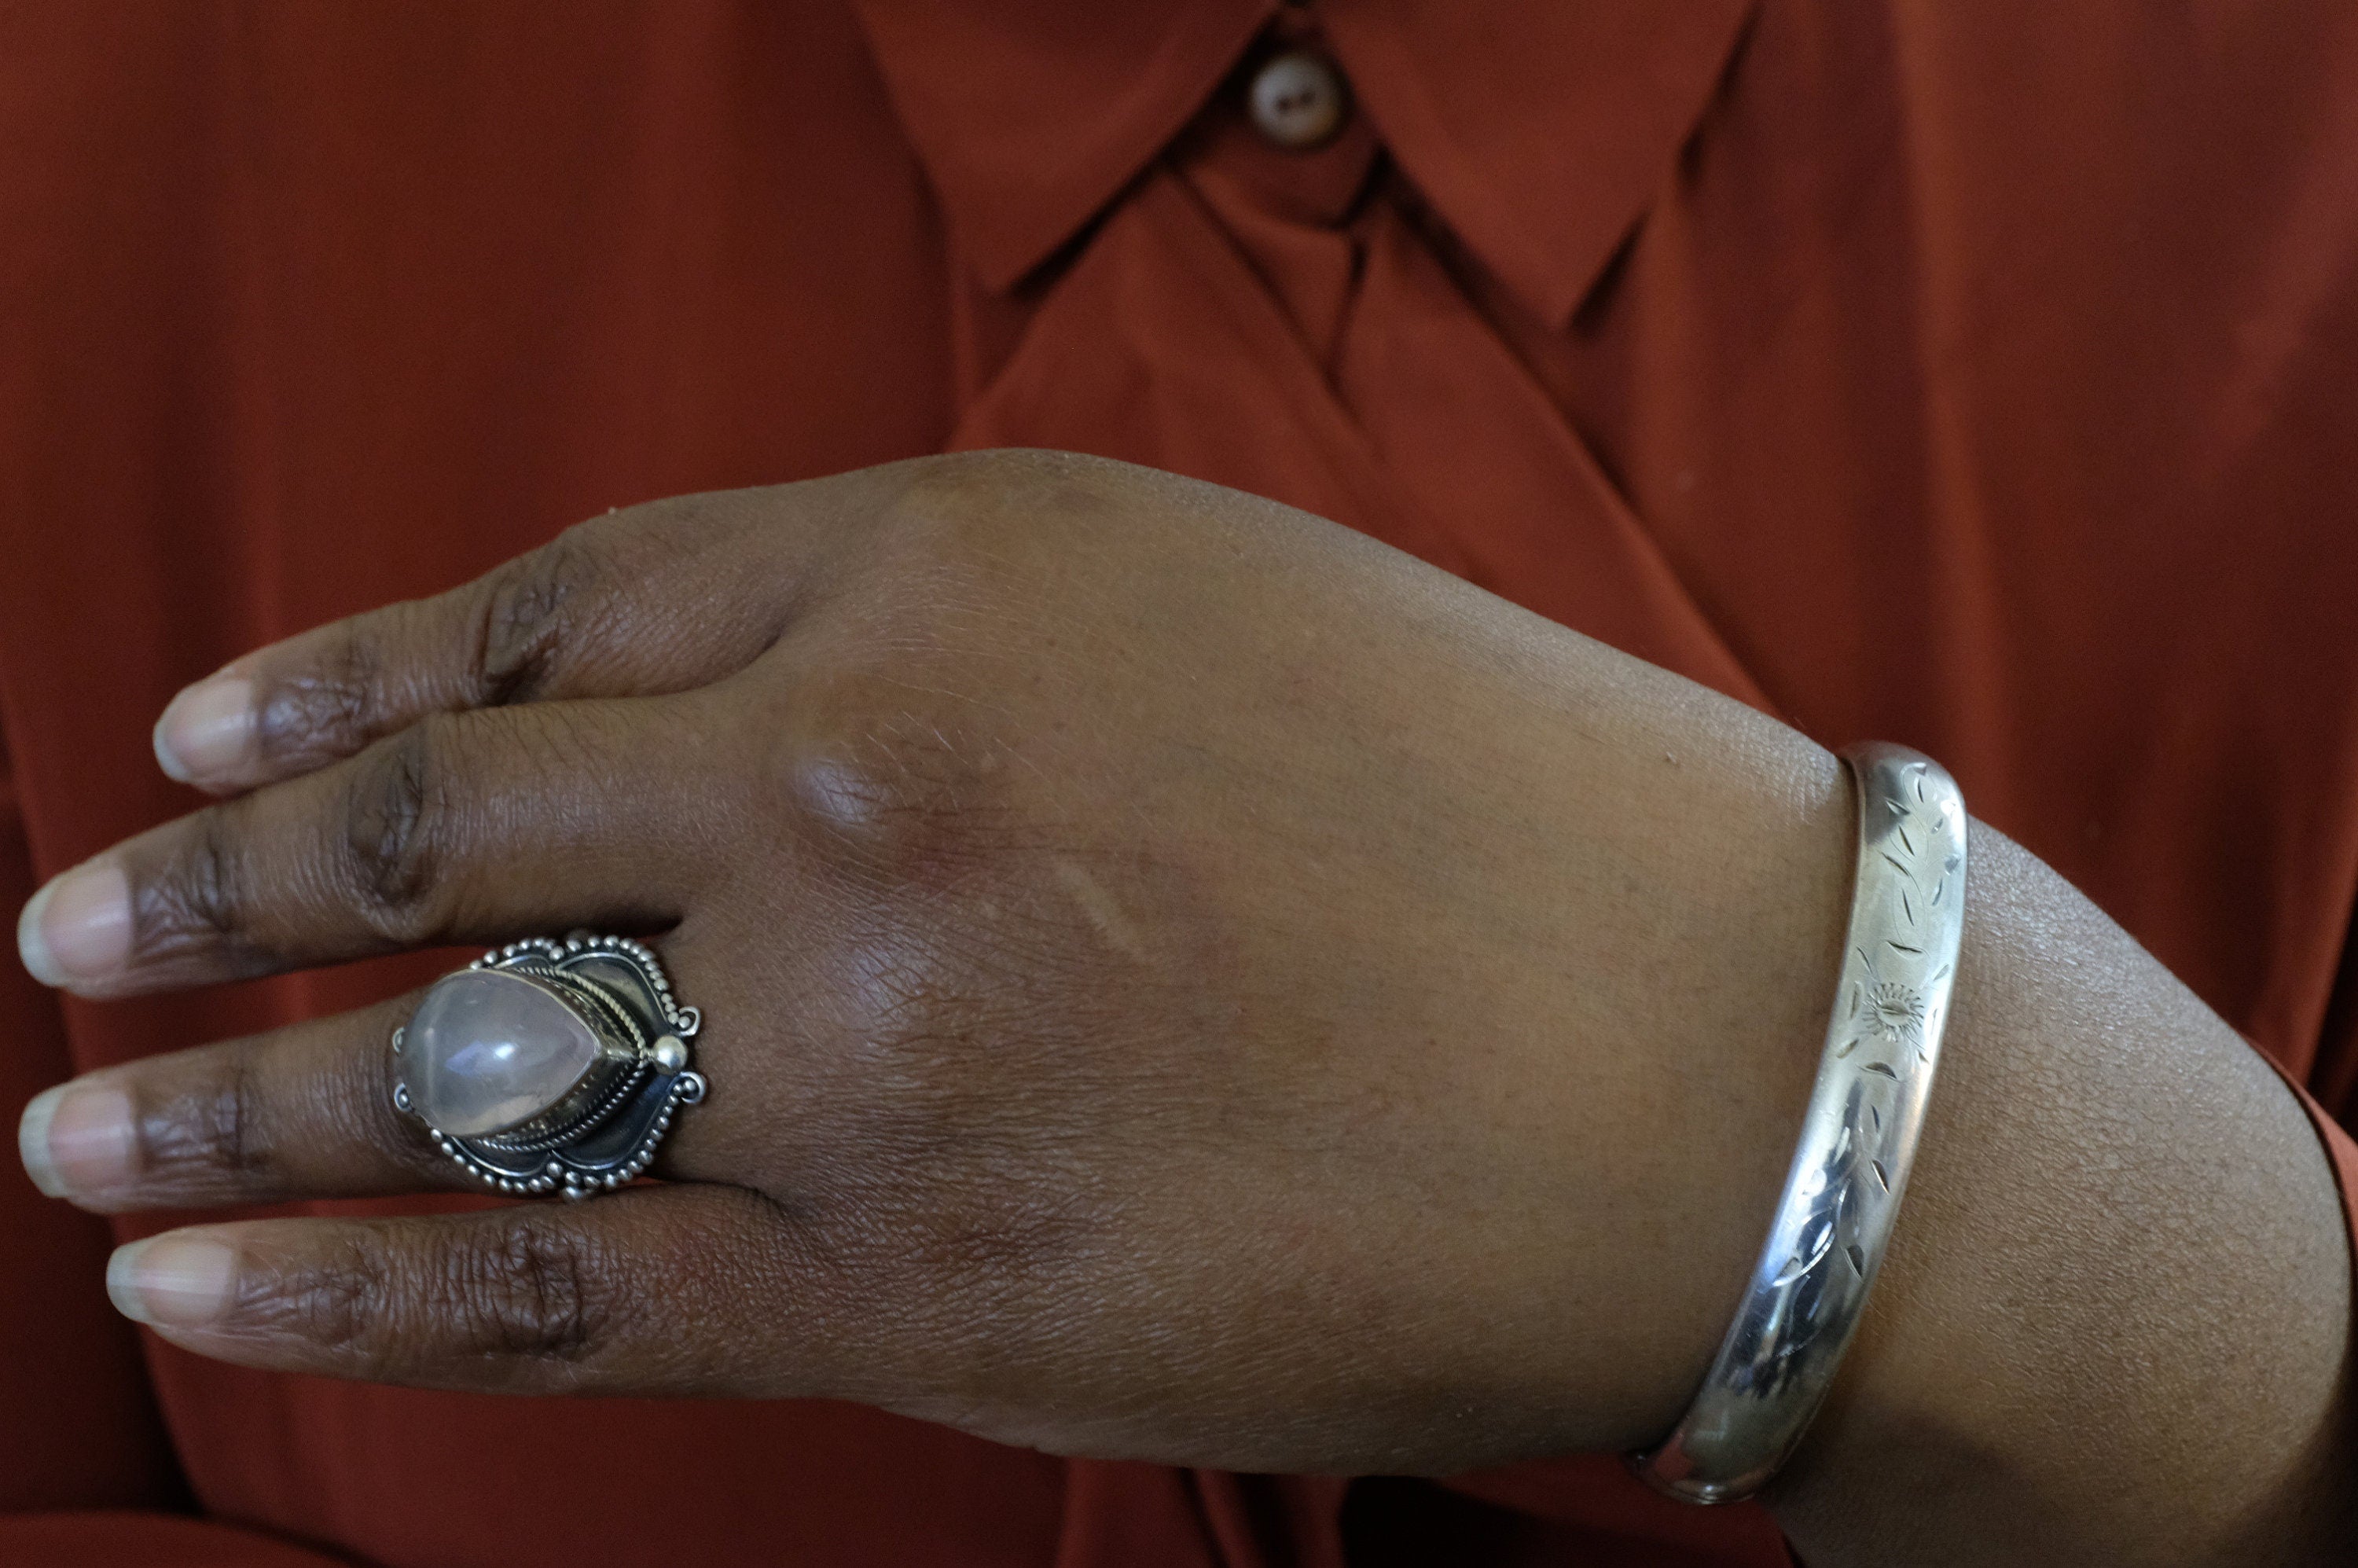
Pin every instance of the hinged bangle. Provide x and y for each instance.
(1858, 1140)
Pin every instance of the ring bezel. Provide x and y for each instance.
(604, 1129)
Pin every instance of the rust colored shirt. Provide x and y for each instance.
(1983, 377)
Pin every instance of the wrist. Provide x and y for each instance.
(2112, 1318)
(1692, 934)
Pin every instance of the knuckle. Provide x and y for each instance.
(396, 808)
(398, 1301)
(339, 1302)
(534, 606)
(526, 1288)
(906, 795)
(230, 1121)
(333, 705)
(1002, 497)
(197, 898)
(965, 478)
(214, 1131)
(944, 503)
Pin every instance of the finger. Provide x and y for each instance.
(300, 1112)
(468, 827)
(655, 599)
(673, 1290)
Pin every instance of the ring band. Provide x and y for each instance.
(1858, 1140)
(548, 1065)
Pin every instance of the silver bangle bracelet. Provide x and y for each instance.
(1858, 1140)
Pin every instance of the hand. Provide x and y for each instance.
(1183, 981)
(1186, 983)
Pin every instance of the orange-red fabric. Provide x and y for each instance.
(1978, 377)
(147, 1541)
(79, 1427)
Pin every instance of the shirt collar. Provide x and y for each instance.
(1538, 129)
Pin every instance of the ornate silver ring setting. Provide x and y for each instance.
(548, 1066)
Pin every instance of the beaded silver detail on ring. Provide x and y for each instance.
(549, 1067)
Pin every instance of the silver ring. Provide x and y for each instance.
(1857, 1143)
(548, 1066)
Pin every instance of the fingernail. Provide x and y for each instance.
(207, 731)
(77, 928)
(78, 1139)
(182, 1279)
(33, 1141)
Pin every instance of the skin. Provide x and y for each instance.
(1187, 983)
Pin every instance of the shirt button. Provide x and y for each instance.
(1299, 99)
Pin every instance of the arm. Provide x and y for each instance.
(1187, 983)
(2115, 1324)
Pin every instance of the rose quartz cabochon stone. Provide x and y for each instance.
(487, 1050)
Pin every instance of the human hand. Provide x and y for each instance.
(1186, 983)
(1182, 981)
